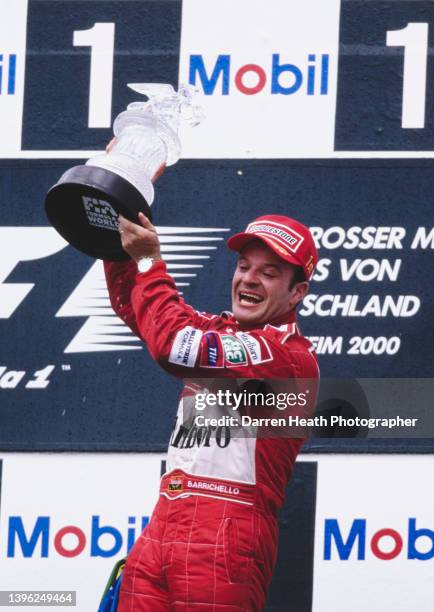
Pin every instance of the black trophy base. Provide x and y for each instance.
(84, 207)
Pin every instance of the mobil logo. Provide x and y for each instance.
(39, 538)
(385, 544)
(275, 75)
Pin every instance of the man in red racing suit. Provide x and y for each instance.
(212, 540)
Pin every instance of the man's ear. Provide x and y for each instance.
(298, 292)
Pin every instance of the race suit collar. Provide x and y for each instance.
(288, 317)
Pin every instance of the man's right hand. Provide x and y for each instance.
(139, 241)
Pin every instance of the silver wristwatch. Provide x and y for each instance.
(145, 264)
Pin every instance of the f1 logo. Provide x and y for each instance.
(23, 244)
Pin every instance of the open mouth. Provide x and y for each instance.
(245, 297)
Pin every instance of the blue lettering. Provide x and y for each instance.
(41, 530)
(324, 74)
(413, 535)
(222, 67)
(97, 532)
(311, 76)
(277, 71)
(358, 530)
(131, 533)
(12, 70)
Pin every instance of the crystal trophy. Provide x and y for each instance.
(83, 206)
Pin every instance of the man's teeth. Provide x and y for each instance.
(250, 297)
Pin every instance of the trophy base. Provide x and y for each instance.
(84, 207)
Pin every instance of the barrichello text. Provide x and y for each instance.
(213, 486)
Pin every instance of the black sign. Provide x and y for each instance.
(81, 55)
(380, 105)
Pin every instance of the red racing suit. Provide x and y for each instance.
(212, 540)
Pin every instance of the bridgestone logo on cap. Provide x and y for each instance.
(291, 238)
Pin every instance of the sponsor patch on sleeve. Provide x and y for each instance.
(175, 484)
(234, 350)
(257, 348)
(185, 347)
(211, 355)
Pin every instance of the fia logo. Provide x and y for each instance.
(100, 213)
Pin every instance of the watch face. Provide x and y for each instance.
(145, 264)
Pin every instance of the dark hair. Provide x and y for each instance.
(299, 277)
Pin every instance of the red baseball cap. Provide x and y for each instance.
(289, 239)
